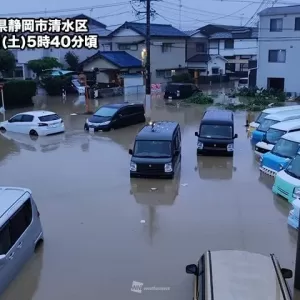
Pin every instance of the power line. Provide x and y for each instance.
(63, 10)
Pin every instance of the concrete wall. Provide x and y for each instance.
(288, 40)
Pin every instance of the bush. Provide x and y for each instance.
(19, 93)
(54, 85)
(200, 98)
(182, 78)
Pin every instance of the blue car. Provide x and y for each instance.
(283, 152)
(259, 134)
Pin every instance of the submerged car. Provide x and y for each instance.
(36, 123)
(114, 116)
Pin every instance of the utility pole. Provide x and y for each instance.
(180, 8)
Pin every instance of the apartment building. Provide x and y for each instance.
(278, 49)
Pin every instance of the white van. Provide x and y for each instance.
(238, 275)
(268, 111)
(274, 134)
(20, 231)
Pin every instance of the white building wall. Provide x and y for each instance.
(241, 47)
(288, 40)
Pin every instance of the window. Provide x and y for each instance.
(216, 131)
(17, 118)
(276, 25)
(297, 24)
(228, 44)
(106, 111)
(285, 148)
(273, 135)
(27, 118)
(166, 47)
(160, 74)
(168, 73)
(20, 221)
(177, 141)
(49, 118)
(132, 47)
(243, 67)
(277, 56)
(200, 47)
(215, 71)
(152, 149)
(5, 243)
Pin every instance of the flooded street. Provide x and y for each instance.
(103, 231)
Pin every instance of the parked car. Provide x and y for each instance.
(234, 274)
(180, 90)
(274, 110)
(36, 123)
(20, 232)
(156, 151)
(114, 116)
(216, 133)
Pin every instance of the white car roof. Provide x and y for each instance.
(9, 196)
(287, 125)
(274, 110)
(284, 115)
(38, 113)
(292, 136)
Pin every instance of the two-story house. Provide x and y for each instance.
(221, 50)
(167, 47)
(237, 44)
(95, 27)
(278, 60)
(201, 65)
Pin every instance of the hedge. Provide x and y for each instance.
(18, 93)
(54, 85)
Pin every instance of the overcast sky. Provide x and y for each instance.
(195, 13)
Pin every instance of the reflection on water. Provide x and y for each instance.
(215, 167)
(266, 180)
(155, 191)
(27, 282)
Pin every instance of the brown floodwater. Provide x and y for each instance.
(103, 231)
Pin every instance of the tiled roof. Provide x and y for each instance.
(102, 32)
(283, 10)
(221, 35)
(199, 58)
(158, 30)
(191, 32)
(121, 59)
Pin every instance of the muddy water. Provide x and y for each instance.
(103, 231)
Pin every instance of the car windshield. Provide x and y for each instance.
(285, 148)
(105, 111)
(274, 135)
(260, 117)
(266, 124)
(173, 88)
(216, 131)
(152, 149)
(49, 118)
(293, 169)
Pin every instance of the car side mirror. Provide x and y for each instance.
(235, 136)
(287, 273)
(196, 133)
(191, 269)
(130, 151)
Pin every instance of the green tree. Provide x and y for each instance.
(38, 65)
(72, 60)
(7, 61)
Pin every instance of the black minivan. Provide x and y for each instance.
(180, 90)
(216, 133)
(157, 150)
(113, 116)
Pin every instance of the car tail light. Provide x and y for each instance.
(42, 124)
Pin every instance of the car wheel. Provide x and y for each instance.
(2, 129)
(33, 133)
